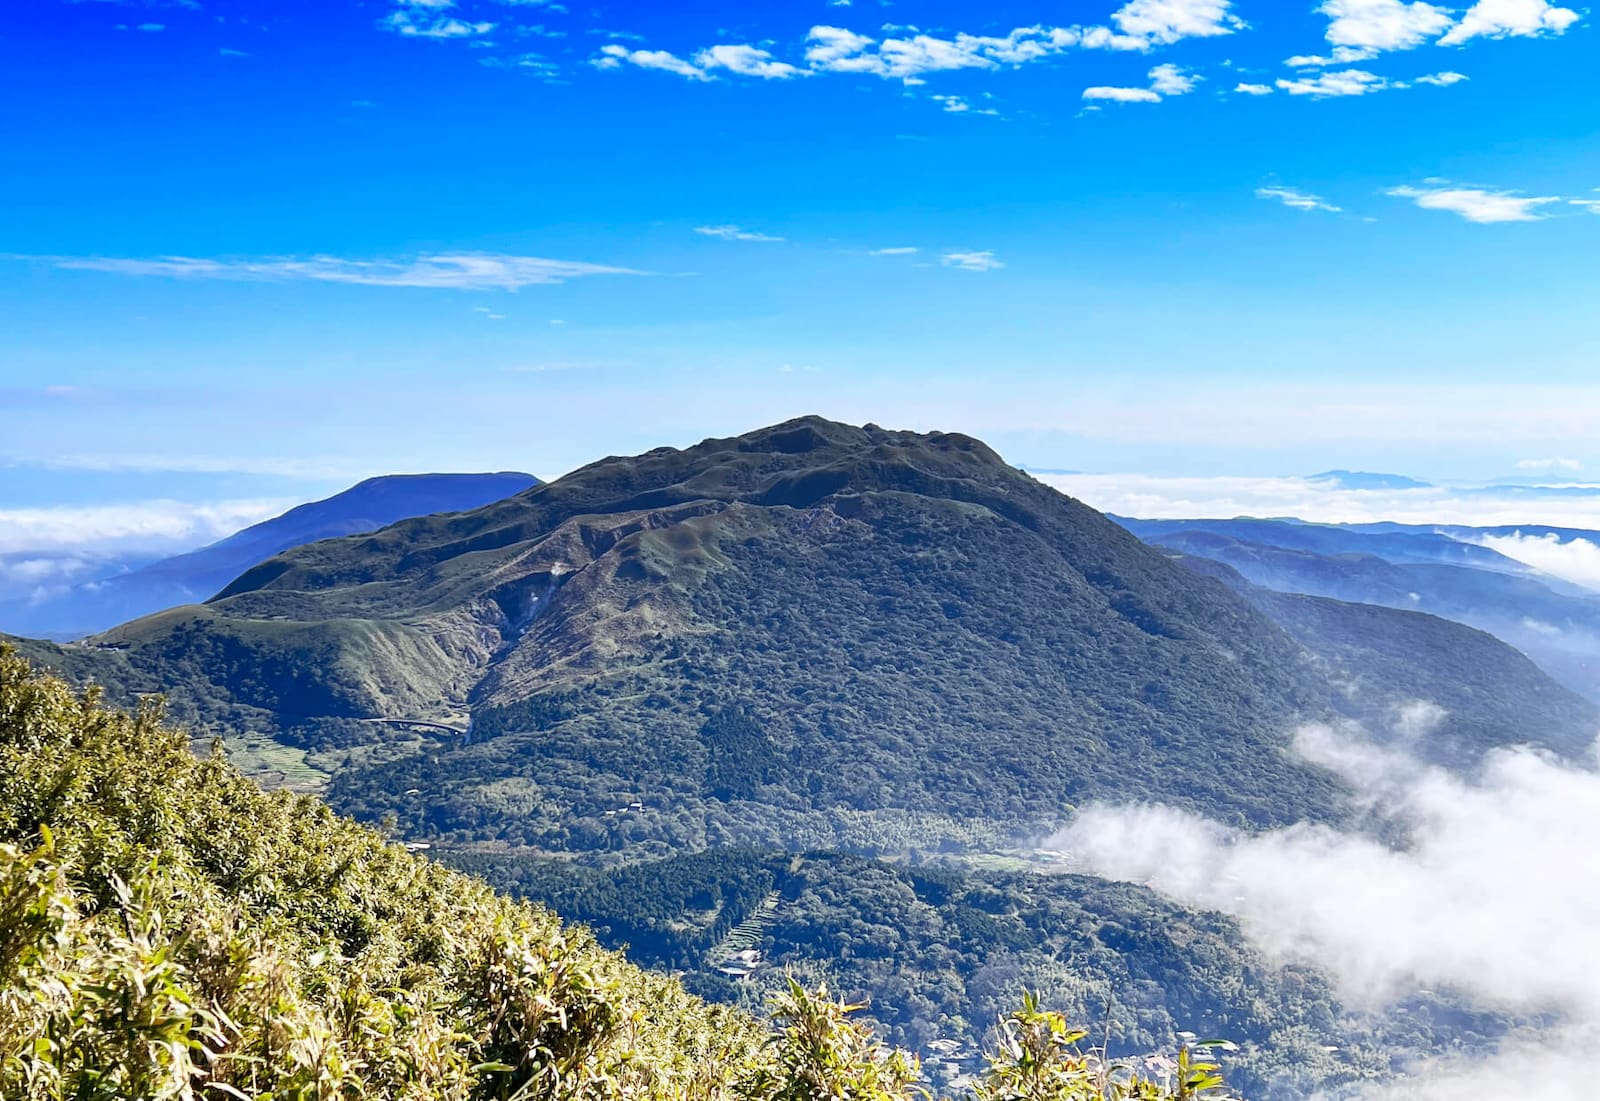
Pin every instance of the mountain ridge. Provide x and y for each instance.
(879, 630)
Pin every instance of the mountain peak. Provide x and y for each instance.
(1360, 479)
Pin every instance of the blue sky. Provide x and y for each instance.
(256, 250)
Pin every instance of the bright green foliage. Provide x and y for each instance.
(169, 932)
(821, 1053)
(1040, 1058)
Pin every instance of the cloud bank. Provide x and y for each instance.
(142, 525)
(1157, 497)
(1574, 560)
(1492, 898)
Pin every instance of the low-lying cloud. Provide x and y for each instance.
(1574, 560)
(1493, 898)
(144, 525)
(1157, 497)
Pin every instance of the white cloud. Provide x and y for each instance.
(1508, 18)
(402, 22)
(1254, 89)
(908, 54)
(746, 61)
(1122, 95)
(1346, 82)
(901, 251)
(1165, 80)
(1167, 21)
(159, 525)
(1170, 80)
(1157, 497)
(1297, 200)
(740, 59)
(1359, 82)
(1570, 465)
(1574, 560)
(971, 261)
(457, 271)
(1340, 55)
(960, 105)
(837, 50)
(613, 56)
(1487, 900)
(734, 233)
(1376, 25)
(1478, 205)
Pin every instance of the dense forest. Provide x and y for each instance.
(937, 951)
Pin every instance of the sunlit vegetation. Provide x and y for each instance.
(169, 931)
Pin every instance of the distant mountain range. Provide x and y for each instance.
(198, 575)
(1357, 480)
(1439, 570)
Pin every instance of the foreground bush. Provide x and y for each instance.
(170, 931)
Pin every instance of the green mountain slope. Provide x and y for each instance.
(164, 924)
(814, 634)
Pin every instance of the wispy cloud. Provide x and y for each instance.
(739, 59)
(458, 271)
(614, 56)
(909, 55)
(1478, 204)
(961, 105)
(408, 24)
(1297, 200)
(746, 61)
(904, 250)
(1358, 82)
(971, 261)
(735, 233)
(1340, 55)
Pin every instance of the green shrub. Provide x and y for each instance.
(169, 932)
